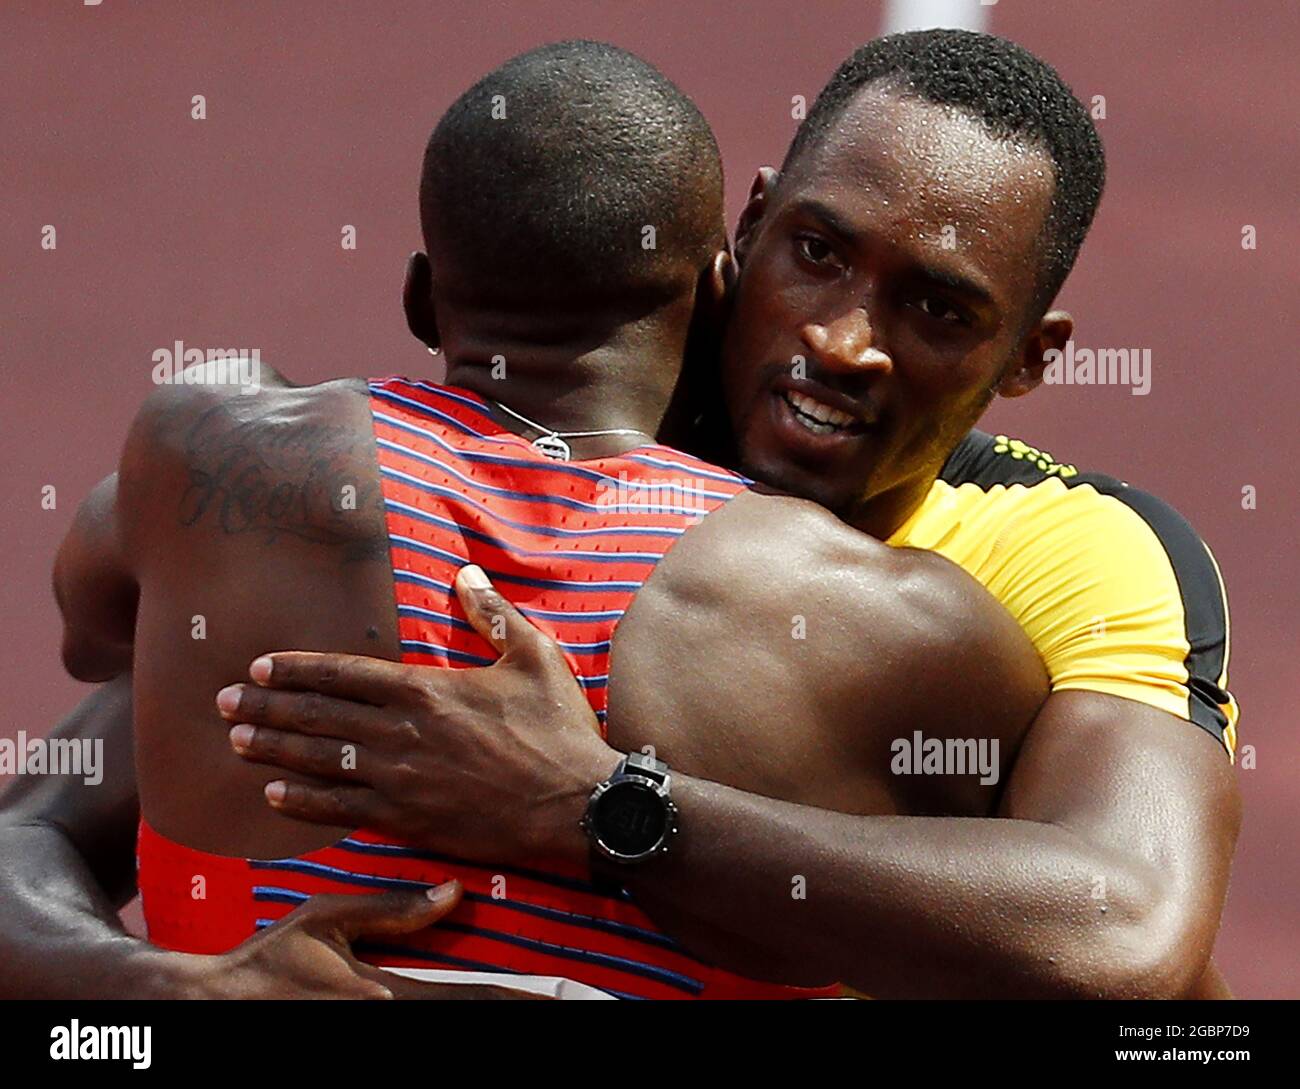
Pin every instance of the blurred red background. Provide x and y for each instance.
(226, 232)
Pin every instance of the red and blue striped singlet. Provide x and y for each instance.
(569, 544)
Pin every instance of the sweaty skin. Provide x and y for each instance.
(67, 866)
(227, 506)
(240, 520)
(848, 293)
(1103, 786)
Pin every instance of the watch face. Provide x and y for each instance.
(630, 818)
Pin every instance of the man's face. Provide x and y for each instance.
(883, 292)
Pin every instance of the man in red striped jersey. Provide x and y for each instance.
(298, 515)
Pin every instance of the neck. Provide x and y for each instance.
(883, 515)
(623, 383)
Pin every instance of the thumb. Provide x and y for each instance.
(383, 915)
(490, 614)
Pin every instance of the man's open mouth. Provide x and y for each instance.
(819, 418)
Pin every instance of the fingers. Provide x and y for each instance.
(300, 712)
(312, 756)
(382, 915)
(490, 614)
(344, 676)
(346, 805)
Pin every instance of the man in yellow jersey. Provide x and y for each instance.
(895, 276)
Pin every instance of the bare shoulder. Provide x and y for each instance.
(177, 414)
(773, 551)
(271, 460)
(865, 613)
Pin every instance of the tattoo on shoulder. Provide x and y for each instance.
(254, 469)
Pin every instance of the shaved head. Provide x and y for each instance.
(574, 173)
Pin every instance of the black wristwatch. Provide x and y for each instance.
(631, 816)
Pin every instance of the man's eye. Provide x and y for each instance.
(816, 250)
(943, 311)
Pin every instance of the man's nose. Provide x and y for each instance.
(847, 344)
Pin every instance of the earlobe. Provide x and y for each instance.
(721, 279)
(417, 301)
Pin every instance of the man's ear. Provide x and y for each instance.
(698, 393)
(417, 301)
(760, 194)
(712, 304)
(1051, 333)
(719, 283)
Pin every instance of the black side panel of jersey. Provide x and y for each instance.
(987, 460)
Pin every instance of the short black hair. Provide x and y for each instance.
(1012, 92)
(544, 178)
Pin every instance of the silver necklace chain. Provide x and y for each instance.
(551, 442)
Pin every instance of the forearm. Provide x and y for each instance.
(60, 936)
(67, 863)
(905, 906)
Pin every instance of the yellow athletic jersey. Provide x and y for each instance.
(1115, 589)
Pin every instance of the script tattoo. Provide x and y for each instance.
(254, 473)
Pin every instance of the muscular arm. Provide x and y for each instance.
(96, 592)
(1104, 876)
(67, 850)
(67, 864)
(1103, 872)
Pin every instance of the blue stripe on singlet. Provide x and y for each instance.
(566, 584)
(416, 646)
(434, 650)
(526, 527)
(587, 922)
(545, 465)
(641, 453)
(573, 618)
(333, 873)
(452, 526)
(410, 544)
(401, 574)
(381, 949)
(530, 497)
(459, 561)
(416, 613)
(419, 646)
(278, 895)
(605, 889)
(700, 469)
(651, 972)
(586, 648)
(435, 414)
(536, 945)
(501, 576)
(469, 400)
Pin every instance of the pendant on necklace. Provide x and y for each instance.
(553, 447)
